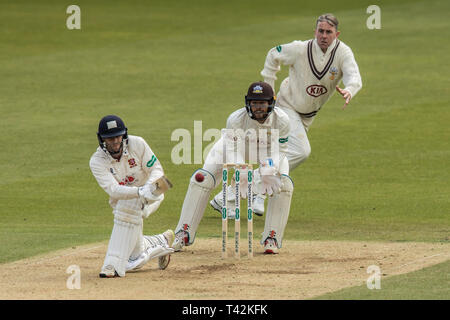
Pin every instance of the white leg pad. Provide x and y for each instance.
(139, 247)
(195, 201)
(278, 208)
(151, 207)
(153, 247)
(125, 234)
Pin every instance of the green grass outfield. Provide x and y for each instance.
(379, 170)
(431, 283)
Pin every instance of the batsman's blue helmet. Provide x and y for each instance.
(111, 126)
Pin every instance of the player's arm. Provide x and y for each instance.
(351, 77)
(150, 163)
(157, 183)
(116, 191)
(284, 54)
(107, 182)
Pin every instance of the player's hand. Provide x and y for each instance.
(267, 180)
(146, 193)
(270, 184)
(266, 170)
(346, 95)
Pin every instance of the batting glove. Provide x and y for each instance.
(146, 193)
(270, 181)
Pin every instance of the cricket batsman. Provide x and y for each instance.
(316, 67)
(129, 172)
(254, 125)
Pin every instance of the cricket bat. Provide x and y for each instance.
(162, 185)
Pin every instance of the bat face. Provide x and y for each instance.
(162, 185)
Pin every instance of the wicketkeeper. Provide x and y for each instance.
(256, 125)
(127, 169)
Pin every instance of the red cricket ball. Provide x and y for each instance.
(199, 177)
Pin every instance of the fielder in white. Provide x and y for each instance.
(256, 124)
(316, 67)
(126, 168)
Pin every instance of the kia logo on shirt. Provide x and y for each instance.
(316, 90)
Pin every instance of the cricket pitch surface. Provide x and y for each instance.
(302, 270)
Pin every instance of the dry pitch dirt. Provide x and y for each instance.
(303, 269)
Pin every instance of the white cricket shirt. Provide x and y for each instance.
(313, 75)
(121, 179)
(278, 120)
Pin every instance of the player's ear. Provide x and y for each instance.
(338, 33)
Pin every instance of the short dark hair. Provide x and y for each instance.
(329, 18)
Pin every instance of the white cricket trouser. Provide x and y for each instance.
(299, 148)
(126, 238)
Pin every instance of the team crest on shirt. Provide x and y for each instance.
(127, 181)
(334, 72)
(132, 162)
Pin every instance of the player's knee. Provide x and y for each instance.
(130, 207)
(304, 152)
(307, 151)
(204, 179)
(296, 157)
(129, 211)
(287, 185)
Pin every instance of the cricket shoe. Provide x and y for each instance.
(181, 239)
(170, 237)
(258, 204)
(164, 261)
(270, 246)
(108, 272)
(216, 203)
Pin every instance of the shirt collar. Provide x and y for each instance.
(110, 158)
(319, 51)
